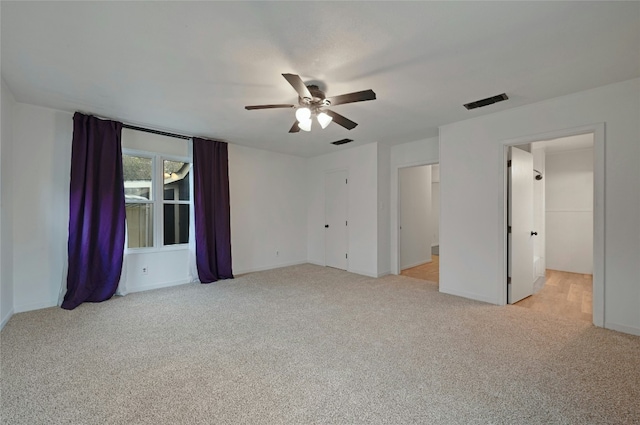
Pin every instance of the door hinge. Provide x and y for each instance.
(346, 181)
(509, 163)
(508, 229)
(346, 223)
(346, 255)
(508, 281)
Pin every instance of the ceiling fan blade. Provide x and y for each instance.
(359, 96)
(340, 120)
(297, 83)
(268, 106)
(294, 128)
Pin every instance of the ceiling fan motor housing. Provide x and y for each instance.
(317, 100)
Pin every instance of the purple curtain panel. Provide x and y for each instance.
(96, 211)
(212, 210)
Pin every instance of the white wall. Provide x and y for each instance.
(165, 267)
(420, 152)
(155, 143)
(415, 212)
(6, 202)
(384, 193)
(42, 164)
(268, 194)
(361, 164)
(569, 211)
(472, 194)
(434, 217)
(539, 242)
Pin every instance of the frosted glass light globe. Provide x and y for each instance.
(303, 114)
(305, 124)
(324, 120)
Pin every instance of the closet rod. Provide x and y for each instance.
(161, 133)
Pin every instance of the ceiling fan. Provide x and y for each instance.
(313, 102)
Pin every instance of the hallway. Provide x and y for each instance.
(428, 271)
(564, 294)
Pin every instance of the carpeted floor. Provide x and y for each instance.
(313, 345)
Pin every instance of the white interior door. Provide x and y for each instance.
(520, 220)
(335, 199)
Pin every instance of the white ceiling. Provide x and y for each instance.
(191, 67)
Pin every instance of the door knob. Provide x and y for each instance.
(534, 233)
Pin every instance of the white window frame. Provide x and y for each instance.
(157, 198)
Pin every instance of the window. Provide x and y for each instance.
(176, 202)
(138, 194)
(157, 199)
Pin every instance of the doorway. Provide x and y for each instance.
(565, 266)
(418, 222)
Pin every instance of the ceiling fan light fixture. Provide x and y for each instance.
(324, 120)
(305, 124)
(311, 99)
(303, 114)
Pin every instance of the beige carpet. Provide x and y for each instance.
(313, 345)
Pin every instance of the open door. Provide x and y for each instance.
(520, 221)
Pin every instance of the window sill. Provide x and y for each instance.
(168, 248)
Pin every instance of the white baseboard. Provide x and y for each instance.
(360, 272)
(363, 273)
(469, 295)
(275, 266)
(35, 306)
(151, 286)
(622, 328)
(419, 263)
(5, 319)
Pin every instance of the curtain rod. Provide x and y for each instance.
(146, 130)
(165, 133)
(161, 133)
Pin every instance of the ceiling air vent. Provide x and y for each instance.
(485, 102)
(342, 142)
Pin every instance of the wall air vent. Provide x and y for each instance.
(342, 142)
(485, 102)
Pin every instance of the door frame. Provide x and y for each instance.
(598, 131)
(395, 218)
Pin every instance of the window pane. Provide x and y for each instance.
(176, 223)
(137, 178)
(139, 225)
(176, 181)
